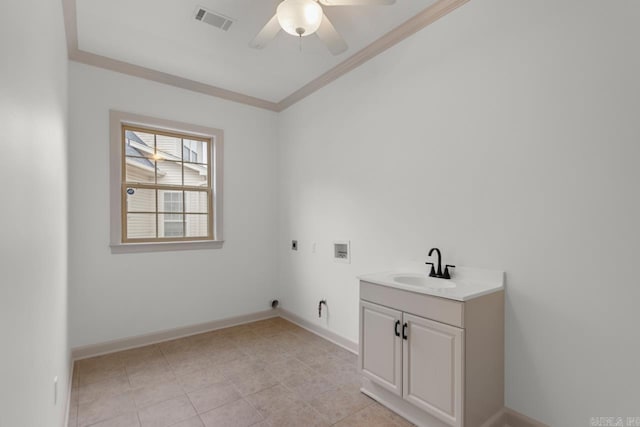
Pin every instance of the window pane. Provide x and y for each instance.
(139, 153)
(140, 170)
(170, 225)
(139, 140)
(197, 151)
(170, 201)
(169, 147)
(196, 201)
(197, 225)
(195, 175)
(169, 173)
(140, 199)
(141, 226)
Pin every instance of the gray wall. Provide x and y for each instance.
(33, 238)
(507, 135)
(125, 295)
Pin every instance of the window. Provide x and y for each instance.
(168, 182)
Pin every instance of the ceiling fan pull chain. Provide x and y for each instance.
(306, 17)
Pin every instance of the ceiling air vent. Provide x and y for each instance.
(212, 18)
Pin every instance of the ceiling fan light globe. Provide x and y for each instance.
(299, 17)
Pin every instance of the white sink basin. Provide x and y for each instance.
(468, 283)
(424, 282)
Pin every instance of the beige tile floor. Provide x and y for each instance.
(266, 373)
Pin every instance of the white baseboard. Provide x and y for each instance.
(507, 417)
(325, 333)
(498, 420)
(67, 409)
(516, 419)
(92, 350)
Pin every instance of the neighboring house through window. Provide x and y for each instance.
(190, 152)
(173, 222)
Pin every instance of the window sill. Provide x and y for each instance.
(127, 248)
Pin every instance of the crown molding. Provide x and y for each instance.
(409, 27)
(75, 54)
(169, 79)
(393, 37)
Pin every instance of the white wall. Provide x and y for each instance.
(33, 237)
(123, 295)
(507, 135)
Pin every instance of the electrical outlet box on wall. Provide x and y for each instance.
(342, 251)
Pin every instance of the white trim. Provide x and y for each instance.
(507, 417)
(83, 352)
(216, 160)
(497, 420)
(502, 418)
(75, 54)
(428, 16)
(113, 346)
(133, 248)
(516, 419)
(322, 332)
(69, 390)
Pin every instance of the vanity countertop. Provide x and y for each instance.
(465, 284)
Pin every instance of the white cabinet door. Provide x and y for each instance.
(433, 368)
(380, 356)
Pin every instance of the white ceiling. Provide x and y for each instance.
(163, 35)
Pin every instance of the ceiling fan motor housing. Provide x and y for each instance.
(302, 18)
(299, 17)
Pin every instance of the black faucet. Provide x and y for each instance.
(438, 273)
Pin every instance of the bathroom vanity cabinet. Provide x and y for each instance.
(437, 361)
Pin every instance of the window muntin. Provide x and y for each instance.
(166, 186)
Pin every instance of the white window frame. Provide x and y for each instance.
(119, 118)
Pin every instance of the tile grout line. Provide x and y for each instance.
(199, 414)
(303, 402)
(171, 368)
(306, 404)
(131, 388)
(262, 418)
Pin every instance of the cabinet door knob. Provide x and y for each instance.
(404, 331)
(395, 328)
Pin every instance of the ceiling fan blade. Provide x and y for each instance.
(357, 2)
(329, 36)
(268, 32)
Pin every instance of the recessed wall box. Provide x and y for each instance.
(342, 251)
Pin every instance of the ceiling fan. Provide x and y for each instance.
(304, 17)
